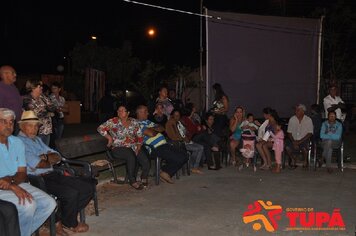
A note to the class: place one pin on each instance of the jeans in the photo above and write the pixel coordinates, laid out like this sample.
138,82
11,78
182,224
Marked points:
129,156
9,219
31,215
58,128
174,158
328,145
197,153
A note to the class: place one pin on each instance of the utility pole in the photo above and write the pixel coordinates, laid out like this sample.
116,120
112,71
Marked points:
201,50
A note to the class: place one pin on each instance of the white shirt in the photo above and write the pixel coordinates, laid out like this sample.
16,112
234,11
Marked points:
329,101
300,129
262,130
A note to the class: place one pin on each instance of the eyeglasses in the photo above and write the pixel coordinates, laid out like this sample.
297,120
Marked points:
7,122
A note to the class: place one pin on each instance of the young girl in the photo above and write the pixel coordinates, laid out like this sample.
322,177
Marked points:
278,146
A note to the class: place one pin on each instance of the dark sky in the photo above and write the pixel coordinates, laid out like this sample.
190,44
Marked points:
35,36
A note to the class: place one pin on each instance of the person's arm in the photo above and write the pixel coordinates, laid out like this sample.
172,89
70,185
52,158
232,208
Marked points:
150,132
226,104
104,129
21,193
233,124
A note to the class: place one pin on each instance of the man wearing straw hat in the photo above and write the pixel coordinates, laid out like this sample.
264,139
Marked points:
33,205
74,193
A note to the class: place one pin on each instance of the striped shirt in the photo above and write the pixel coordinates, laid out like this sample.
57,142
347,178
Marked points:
155,141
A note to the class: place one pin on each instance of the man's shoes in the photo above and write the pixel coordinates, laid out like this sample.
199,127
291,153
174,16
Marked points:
165,177
330,171
81,228
59,229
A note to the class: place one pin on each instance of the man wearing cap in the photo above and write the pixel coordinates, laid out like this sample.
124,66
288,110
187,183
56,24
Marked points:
74,193
33,205
334,103
300,130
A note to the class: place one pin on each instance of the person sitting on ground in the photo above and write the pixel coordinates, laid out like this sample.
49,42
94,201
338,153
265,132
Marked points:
158,146
125,139
332,102
266,142
176,132
158,116
9,219
236,130
300,130
330,134
33,205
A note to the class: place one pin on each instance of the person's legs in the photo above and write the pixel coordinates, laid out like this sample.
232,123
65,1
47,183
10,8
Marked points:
9,219
328,146
33,215
197,152
174,158
259,147
129,156
145,164
233,145
266,150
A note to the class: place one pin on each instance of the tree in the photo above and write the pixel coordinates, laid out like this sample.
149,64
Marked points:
339,30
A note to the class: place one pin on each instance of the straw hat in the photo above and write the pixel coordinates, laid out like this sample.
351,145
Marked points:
29,116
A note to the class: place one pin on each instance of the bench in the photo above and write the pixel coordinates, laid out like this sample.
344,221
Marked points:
74,148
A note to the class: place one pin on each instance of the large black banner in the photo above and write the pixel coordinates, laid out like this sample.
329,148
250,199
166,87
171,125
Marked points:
263,60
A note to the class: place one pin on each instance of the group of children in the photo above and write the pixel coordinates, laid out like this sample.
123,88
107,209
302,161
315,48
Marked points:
249,127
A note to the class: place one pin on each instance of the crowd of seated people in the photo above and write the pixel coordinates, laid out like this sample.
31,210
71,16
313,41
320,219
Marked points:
174,132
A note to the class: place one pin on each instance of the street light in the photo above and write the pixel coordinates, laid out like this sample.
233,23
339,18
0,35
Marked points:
93,37
151,32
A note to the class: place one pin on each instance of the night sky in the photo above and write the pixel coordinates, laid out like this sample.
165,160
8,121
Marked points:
35,36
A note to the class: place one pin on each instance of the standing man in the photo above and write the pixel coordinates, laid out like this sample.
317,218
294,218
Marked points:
9,95
300,130
332,102
33,205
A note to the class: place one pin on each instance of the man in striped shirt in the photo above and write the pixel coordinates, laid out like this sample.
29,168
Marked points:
156,142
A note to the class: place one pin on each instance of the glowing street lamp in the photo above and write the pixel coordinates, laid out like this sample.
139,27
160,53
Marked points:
93,37
151,32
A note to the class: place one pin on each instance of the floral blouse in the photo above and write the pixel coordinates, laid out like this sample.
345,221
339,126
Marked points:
122,137
60,102
43,108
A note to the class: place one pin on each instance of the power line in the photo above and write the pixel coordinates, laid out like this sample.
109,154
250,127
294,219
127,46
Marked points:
170,9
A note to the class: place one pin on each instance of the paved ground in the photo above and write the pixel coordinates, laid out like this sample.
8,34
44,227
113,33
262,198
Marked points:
213,203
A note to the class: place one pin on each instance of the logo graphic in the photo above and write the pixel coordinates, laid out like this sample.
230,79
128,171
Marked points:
254,214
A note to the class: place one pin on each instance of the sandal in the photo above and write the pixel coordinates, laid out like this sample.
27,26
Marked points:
81,228
137,185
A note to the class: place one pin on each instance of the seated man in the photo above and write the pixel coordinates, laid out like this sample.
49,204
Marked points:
153,137
33,205
73,193
330,134
300,130
9,219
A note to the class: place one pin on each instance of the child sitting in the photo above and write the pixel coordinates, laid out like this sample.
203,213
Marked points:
250,123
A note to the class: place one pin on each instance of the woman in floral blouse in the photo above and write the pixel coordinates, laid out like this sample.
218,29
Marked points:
42,106
125,138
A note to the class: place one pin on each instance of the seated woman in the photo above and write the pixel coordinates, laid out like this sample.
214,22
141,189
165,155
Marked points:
125,138
236,129
209,140
266,142
330,134
177,133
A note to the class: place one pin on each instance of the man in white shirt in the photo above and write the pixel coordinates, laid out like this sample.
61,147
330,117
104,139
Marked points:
300,130
334,103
